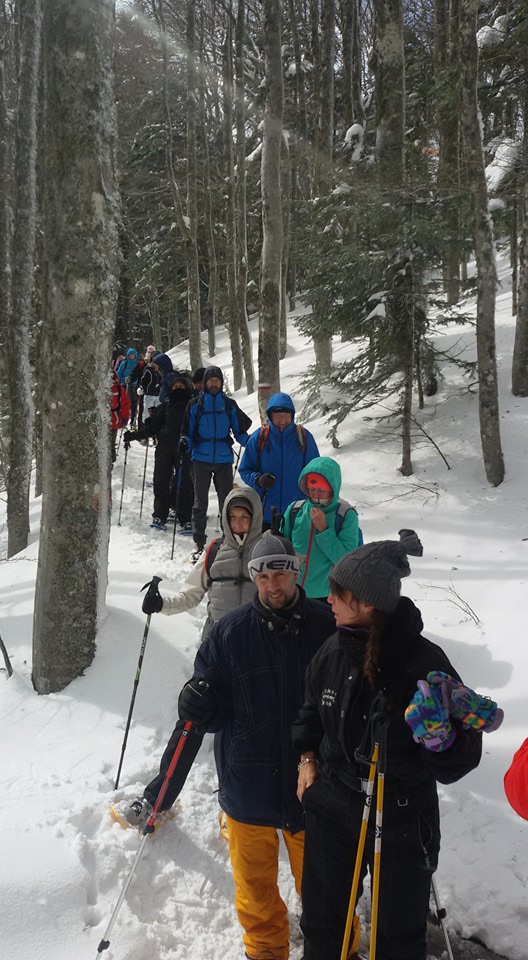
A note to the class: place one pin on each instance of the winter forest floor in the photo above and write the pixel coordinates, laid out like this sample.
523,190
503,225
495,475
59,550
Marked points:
62,861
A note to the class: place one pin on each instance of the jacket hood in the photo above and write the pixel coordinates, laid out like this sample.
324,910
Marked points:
280,400
131,352
255,530
329,469
164,362
176,377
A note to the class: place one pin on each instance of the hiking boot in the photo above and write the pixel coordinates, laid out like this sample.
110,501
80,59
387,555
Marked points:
187,527
132,813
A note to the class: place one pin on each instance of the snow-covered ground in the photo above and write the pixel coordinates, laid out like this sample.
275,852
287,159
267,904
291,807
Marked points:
63,863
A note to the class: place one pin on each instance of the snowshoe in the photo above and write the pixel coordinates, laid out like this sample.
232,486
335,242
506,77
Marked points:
195,555
157,524
133,814
186,530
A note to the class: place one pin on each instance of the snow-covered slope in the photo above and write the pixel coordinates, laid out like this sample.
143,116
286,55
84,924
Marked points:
63,863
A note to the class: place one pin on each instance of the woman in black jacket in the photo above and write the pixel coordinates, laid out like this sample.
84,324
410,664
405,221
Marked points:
377,649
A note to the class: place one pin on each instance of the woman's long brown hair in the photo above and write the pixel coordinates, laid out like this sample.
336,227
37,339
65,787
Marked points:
375,630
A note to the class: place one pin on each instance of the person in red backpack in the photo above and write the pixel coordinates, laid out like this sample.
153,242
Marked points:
275,455
119,411
516,782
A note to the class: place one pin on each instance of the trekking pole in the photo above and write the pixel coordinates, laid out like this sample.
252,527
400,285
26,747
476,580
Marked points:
119,440
237,461
177,502
441,917
149,828
381,722
144,475
359,853
154,580
378,718
127,445
7,661
276,517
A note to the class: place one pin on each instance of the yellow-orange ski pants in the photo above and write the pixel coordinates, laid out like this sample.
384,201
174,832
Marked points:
254,853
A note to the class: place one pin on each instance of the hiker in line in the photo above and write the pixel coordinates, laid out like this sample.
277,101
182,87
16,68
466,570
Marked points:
162,364
247,687
149,380
198,380
322,528
221,573
275,455
376,660
170,457
119,412
127,373
211,421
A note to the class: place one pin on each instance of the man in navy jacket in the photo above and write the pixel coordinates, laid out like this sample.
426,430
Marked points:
247,688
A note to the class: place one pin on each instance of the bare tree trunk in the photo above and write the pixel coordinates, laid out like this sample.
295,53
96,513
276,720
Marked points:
230,215
212,290
241,206
272,244
447,85
324,143
520,349
286,181
193,270
388,65
81,252
23,260
484,250
514,255
353,105
5,213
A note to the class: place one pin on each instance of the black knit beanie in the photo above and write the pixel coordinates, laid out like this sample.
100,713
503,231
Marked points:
374,572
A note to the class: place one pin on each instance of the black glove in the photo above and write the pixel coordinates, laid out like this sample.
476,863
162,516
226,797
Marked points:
266,480
197,702
184,446
152,601
128,436
411,543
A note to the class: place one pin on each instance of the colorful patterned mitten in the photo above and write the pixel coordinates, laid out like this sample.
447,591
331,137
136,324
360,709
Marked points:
473,710
428,718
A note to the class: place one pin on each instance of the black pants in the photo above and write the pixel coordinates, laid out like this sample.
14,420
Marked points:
166,468
409,855
192,744
222,477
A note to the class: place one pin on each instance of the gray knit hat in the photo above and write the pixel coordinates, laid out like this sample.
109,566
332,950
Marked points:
273,553
374,572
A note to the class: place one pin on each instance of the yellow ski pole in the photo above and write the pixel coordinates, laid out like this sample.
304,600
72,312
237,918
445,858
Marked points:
380,742
359,854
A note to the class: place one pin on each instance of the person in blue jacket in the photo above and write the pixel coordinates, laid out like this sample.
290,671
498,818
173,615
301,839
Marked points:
275,455
125,368
212,419
128,374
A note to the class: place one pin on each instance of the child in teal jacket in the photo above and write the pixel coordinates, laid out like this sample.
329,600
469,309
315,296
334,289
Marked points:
322,528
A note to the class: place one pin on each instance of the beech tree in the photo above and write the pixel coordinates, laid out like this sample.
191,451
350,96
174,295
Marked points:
475,177
81,284
272,243
23,263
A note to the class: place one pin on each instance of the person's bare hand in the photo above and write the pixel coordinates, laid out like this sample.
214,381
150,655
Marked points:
318,519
